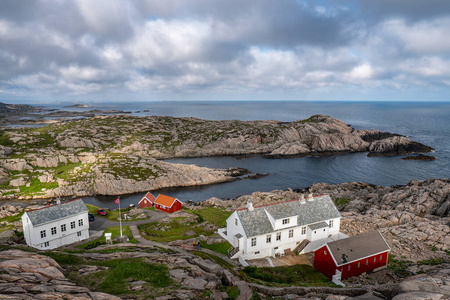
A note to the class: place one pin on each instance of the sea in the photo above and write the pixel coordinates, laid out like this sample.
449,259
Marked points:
425,122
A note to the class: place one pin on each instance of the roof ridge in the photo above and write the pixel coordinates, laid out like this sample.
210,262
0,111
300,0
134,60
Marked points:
241,209
47,206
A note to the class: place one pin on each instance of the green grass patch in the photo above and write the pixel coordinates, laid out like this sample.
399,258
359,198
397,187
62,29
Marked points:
115,280
213,215
300,275
432,261
115,230
14,218
233,292
342,201
112,215
219,247
65,258
398,266
36,187
66,171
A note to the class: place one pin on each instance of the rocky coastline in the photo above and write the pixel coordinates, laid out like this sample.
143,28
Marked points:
121,154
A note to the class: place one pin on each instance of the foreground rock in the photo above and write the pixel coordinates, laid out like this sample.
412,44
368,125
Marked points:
24,275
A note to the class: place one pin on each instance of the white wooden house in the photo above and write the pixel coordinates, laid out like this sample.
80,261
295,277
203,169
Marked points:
56,225
298,225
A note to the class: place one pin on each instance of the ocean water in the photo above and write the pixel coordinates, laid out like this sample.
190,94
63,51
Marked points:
424,122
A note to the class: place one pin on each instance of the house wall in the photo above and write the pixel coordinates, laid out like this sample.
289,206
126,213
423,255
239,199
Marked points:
325,264
279,223
33,234
145,203
233,229
263,249
365,265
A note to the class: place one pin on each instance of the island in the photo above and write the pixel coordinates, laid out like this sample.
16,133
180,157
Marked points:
122,154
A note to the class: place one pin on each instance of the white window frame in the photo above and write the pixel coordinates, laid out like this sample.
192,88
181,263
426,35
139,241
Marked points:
46,244
291,233
53,230
63,227
80,222
330,224
278,238
303,230
43,234
285,221
268,239
72,225
253,242
79,233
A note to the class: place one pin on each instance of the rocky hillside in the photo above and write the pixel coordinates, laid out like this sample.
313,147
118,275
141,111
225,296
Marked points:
414,218
118,154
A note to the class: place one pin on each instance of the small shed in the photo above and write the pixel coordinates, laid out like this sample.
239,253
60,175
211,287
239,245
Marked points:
147,201
352,256
167,203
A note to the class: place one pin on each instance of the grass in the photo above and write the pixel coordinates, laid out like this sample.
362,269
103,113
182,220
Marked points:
36,187
341,201
432,261
219,247
398,266
300,275
213,215
115,230
115,280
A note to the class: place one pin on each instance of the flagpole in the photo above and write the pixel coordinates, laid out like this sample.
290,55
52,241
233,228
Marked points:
120,218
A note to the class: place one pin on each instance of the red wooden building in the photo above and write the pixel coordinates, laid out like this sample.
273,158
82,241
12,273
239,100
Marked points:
352,256
167,204
147,201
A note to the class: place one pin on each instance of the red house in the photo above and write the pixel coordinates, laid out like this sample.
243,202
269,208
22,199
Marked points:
167,204
352,256
147,201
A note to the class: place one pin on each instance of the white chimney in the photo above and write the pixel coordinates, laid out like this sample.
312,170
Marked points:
310,197
302,199
250,206
58,201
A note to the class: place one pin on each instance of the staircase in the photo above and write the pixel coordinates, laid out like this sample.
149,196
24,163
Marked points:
301,246
231,253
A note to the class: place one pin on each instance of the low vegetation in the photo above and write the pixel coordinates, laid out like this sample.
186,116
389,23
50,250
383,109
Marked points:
299,275
115,232
112,215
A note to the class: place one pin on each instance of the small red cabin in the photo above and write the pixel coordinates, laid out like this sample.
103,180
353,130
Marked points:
352,256
147,201
167,204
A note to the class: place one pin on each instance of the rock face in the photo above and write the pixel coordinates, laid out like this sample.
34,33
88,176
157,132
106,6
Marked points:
25,275
118,154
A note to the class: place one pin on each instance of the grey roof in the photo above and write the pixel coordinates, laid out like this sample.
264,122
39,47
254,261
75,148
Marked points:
256,222
238,235
358,246
56,212
281,211
318,225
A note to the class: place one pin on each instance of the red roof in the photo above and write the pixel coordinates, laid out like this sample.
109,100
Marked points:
165,200
149,196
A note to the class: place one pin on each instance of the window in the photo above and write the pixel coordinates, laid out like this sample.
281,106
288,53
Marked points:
253,242
291,233
80,222
330,224
53,230
324,229
278,236
285,221
72,225
303,230
257,252
63,227
367,262
268,238
381,256
325,252
235,222
79,233
43,234
358,264
348,267
315,232
375,259
46,244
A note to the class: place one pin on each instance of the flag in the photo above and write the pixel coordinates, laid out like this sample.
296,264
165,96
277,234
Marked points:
117,200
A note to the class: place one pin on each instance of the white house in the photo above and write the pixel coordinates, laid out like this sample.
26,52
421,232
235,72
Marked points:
270,230
56,225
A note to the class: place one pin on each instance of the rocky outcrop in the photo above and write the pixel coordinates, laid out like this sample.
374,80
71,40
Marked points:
419,157
90,156
25,275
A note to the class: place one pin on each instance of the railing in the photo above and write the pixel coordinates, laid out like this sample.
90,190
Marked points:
233,252
301,246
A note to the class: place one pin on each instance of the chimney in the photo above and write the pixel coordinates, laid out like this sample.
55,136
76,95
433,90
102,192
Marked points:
310,197
58,201
302,199
250,206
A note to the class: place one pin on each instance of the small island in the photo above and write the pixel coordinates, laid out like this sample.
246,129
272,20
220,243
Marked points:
79,106
420,157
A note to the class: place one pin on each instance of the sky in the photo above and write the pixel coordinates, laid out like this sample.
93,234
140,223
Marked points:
114,50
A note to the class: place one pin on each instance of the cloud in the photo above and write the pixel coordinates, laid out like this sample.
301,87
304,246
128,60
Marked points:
187,50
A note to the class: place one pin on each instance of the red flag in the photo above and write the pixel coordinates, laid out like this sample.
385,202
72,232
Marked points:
117,200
